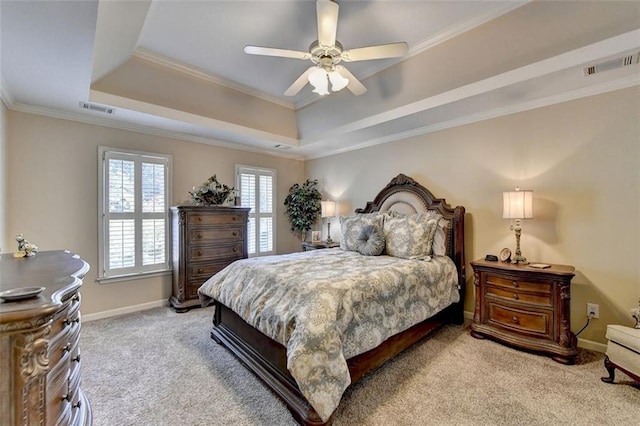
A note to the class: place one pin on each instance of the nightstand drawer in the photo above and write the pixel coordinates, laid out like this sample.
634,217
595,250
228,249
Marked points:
516,283
517,295
524,321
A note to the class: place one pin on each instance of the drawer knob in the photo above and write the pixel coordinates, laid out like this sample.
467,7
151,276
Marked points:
515,320
76,358
67,397
235,249
199,235
199,253
515,296
77,404
515,283
200,270
234,218
66,347
234,233
199,218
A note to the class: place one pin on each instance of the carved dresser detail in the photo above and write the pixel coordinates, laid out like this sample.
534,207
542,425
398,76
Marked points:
39,353
205,240
525,307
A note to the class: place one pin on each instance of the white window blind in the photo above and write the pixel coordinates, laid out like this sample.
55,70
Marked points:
257,186
134,214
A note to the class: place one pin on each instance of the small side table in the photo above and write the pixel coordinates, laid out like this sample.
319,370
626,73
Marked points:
308,246
525,307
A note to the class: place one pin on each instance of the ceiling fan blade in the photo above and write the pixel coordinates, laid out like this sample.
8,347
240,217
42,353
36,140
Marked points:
327,14
354,85
299,83
381,51
270,51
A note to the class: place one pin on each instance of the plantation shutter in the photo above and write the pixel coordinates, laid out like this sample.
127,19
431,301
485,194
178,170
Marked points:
257,192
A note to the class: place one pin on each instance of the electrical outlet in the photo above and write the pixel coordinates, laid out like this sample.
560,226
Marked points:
593,310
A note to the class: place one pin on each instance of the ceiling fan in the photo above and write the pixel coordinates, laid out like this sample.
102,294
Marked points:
326,53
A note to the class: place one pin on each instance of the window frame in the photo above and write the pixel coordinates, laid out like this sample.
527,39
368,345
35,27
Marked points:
104,273
257,171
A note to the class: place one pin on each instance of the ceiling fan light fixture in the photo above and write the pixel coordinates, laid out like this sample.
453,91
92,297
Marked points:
318,79
338,82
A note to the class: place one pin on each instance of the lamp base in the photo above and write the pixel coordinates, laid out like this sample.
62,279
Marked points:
329,240
519,260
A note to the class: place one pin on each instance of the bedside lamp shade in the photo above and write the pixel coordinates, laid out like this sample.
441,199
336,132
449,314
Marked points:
328,210
517,205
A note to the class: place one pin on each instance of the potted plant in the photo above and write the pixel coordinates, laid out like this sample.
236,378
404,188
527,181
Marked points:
303,206
211,193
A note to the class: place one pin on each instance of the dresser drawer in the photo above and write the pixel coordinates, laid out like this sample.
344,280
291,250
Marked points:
58,396
202,218
515,294
196,271
201,234
219,252
530,322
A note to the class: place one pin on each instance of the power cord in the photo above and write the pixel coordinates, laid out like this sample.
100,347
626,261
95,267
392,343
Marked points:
585,326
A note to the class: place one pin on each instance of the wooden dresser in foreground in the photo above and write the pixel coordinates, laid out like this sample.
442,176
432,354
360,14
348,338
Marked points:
205,240
39,353
525,307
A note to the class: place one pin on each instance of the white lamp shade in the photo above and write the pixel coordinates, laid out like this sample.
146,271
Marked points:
338,82
319,81
328,208
517,205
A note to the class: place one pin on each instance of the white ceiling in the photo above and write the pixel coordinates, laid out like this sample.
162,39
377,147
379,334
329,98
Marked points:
52,52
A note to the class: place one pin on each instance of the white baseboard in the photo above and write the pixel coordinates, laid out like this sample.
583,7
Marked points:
591,345
125,310
582,343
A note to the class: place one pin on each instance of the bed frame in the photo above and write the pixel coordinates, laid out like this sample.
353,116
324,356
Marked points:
267,358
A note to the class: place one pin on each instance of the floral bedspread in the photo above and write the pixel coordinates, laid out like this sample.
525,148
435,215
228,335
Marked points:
326,306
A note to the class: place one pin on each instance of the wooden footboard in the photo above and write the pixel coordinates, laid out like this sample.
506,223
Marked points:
268,359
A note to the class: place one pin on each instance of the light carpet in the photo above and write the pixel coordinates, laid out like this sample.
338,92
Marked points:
157,367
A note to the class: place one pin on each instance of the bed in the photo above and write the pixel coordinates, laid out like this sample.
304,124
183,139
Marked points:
275,350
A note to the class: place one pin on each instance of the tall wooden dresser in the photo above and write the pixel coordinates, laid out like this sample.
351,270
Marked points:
39,353
205,240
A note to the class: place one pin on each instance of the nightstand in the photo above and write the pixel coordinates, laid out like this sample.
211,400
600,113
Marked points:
525,307
308,246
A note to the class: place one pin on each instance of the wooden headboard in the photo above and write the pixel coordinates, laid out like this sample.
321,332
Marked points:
405,195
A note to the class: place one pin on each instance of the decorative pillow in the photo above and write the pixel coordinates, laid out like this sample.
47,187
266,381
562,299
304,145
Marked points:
351,226
440,240
371,241
410,236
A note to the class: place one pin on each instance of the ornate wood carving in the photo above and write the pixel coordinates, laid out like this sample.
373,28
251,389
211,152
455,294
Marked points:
32,350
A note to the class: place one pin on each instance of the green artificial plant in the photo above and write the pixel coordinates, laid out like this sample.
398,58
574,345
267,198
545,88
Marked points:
303,206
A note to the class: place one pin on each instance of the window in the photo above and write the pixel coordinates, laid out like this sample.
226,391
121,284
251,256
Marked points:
257,188
134,213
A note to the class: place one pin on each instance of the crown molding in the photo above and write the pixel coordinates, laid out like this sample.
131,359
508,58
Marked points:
89,118
5,95
597,89
181,68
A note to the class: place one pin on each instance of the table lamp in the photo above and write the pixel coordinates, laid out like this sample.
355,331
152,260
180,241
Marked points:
517,205
328,211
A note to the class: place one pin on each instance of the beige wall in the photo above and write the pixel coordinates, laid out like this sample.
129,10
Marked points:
52,194
581,159
3,175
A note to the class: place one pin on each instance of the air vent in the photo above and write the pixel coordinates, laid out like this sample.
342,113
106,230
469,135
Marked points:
612,64
98,108
281,146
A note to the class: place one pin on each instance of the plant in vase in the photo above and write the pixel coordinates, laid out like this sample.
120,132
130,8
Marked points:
212,193
303,206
